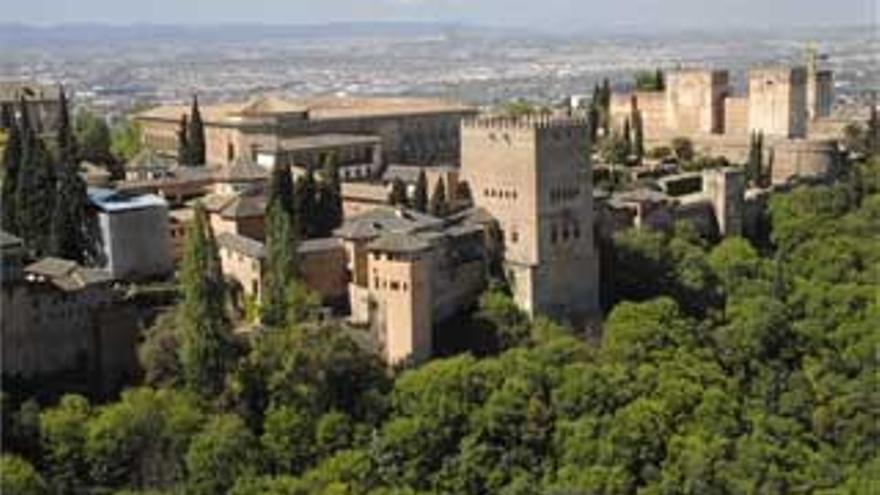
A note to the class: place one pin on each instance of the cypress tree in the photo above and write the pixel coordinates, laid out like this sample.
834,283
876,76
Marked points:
606,106
420,196
12,156
439,206
659,80
330,198
873,134
73,231
638,136
183,141
305,206
35,190
627,138
7,116
196,135
206,348
281,250
397,196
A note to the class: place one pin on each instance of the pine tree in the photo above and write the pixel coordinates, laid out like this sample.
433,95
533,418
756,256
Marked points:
183,153
73,231
306,206
35,190
420,195
397,196
281,250
196,137
330,198
206,347
439,205
12,156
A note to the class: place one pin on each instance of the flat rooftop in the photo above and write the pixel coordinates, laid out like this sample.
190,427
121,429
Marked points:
318,108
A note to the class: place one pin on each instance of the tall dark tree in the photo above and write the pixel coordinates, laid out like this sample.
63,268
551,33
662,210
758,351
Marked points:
7,116
439,205
329,198
183,153
281,249
606,106
627,137
206,348
306,206
638,136
755,165
12,156
196,135
397,196
35,190
72,229
873,132
420,195
660,80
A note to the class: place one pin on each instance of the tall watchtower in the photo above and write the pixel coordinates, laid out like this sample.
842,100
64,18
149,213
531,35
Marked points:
535,177
778,101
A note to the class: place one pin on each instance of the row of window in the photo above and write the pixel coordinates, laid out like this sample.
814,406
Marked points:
392,285
500,193
565,233
563,193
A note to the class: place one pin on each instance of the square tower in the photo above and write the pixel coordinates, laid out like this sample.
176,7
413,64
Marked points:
401,298
778,101
695,101
534,177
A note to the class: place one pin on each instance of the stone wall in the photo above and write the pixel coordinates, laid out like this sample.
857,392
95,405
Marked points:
136,243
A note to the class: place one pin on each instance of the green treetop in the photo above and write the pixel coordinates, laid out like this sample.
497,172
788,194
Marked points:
281,247
12,155
329,198
420,196
439,205
196,135
397,196
206,346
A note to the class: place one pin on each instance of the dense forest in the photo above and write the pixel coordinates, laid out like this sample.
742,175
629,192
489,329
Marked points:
740,367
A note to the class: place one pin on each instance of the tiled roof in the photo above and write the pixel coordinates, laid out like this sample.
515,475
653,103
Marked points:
384,219
400,243
318,245
319,141
245,206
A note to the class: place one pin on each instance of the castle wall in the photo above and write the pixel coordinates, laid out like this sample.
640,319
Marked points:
808,159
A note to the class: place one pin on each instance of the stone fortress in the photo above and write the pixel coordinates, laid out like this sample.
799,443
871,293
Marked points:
788,105
526,182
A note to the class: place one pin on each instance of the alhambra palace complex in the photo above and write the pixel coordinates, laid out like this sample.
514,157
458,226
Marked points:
398,272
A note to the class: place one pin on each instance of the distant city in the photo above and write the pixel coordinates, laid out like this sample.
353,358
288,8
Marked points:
116,68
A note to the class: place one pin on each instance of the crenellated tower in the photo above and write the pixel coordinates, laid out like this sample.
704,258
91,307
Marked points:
535,177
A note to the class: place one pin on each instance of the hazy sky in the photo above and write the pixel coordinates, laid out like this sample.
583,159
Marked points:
562,14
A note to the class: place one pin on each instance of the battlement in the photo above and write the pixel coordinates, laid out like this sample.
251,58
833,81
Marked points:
536,122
